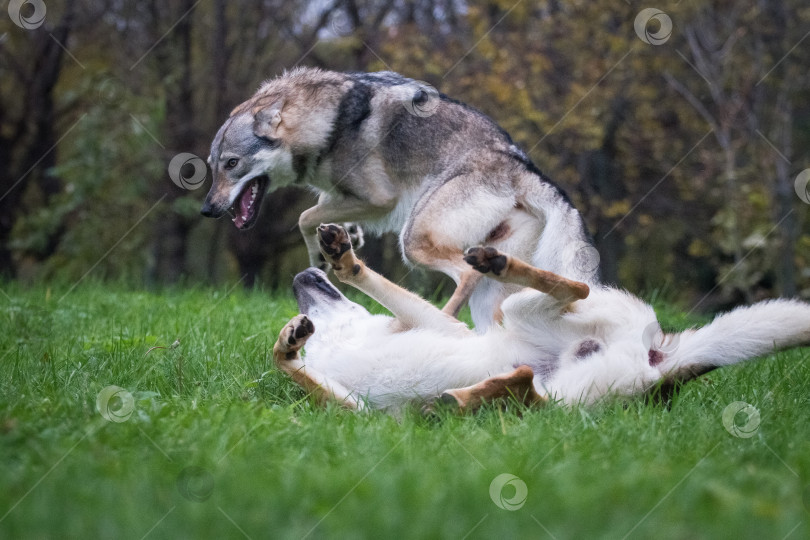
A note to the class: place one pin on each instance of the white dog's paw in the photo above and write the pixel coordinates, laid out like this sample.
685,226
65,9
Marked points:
336,247
486,259
295,334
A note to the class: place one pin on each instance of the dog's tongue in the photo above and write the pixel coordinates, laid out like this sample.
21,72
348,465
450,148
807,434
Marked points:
245,205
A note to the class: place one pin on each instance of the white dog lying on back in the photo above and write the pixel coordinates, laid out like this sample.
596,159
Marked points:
558,341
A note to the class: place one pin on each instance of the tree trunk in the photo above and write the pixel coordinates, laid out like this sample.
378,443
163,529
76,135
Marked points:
173,57
784,198
9,206
32,140
220,56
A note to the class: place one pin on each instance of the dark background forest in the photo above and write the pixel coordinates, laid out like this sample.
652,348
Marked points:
683,139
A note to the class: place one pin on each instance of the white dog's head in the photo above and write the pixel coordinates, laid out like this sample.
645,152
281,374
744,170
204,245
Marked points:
343,329
321,301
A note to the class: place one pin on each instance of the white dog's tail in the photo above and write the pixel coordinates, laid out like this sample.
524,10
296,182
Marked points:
733,337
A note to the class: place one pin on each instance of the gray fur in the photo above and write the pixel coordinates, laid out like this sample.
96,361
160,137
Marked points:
396,156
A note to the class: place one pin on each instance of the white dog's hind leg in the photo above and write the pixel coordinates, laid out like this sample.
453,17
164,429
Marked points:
286,354
516,385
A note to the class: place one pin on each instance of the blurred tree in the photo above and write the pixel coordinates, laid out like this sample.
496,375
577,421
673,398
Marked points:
737,50
31,62
170,25
782,85
622,125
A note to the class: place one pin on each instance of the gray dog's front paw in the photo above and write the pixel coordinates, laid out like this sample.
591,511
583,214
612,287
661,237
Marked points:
321,263
356,234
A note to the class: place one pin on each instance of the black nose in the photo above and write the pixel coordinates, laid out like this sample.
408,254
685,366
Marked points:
315,279
310,276
207,210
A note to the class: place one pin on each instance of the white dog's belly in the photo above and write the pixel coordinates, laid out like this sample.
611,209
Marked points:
390,370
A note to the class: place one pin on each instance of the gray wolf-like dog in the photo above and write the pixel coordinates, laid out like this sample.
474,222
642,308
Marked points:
396,156
559,340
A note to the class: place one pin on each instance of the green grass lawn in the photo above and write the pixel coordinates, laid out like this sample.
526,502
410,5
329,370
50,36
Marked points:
218,444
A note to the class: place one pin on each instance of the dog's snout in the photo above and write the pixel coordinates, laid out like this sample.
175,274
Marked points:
212,210
207,210
310,276
313,279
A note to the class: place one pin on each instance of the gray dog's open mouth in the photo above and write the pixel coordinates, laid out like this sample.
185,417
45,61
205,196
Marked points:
247,204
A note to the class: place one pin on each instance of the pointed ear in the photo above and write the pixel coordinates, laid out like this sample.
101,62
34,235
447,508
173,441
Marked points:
266,121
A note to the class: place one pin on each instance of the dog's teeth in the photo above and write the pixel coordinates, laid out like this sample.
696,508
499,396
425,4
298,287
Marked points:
254,189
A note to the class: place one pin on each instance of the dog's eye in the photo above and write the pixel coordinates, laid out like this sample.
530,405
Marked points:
231,163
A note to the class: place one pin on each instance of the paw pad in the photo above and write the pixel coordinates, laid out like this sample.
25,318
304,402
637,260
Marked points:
300,328
304,328
334,240
486,260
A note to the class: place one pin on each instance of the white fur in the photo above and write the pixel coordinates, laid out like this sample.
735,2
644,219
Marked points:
394,220
747,331
388,369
